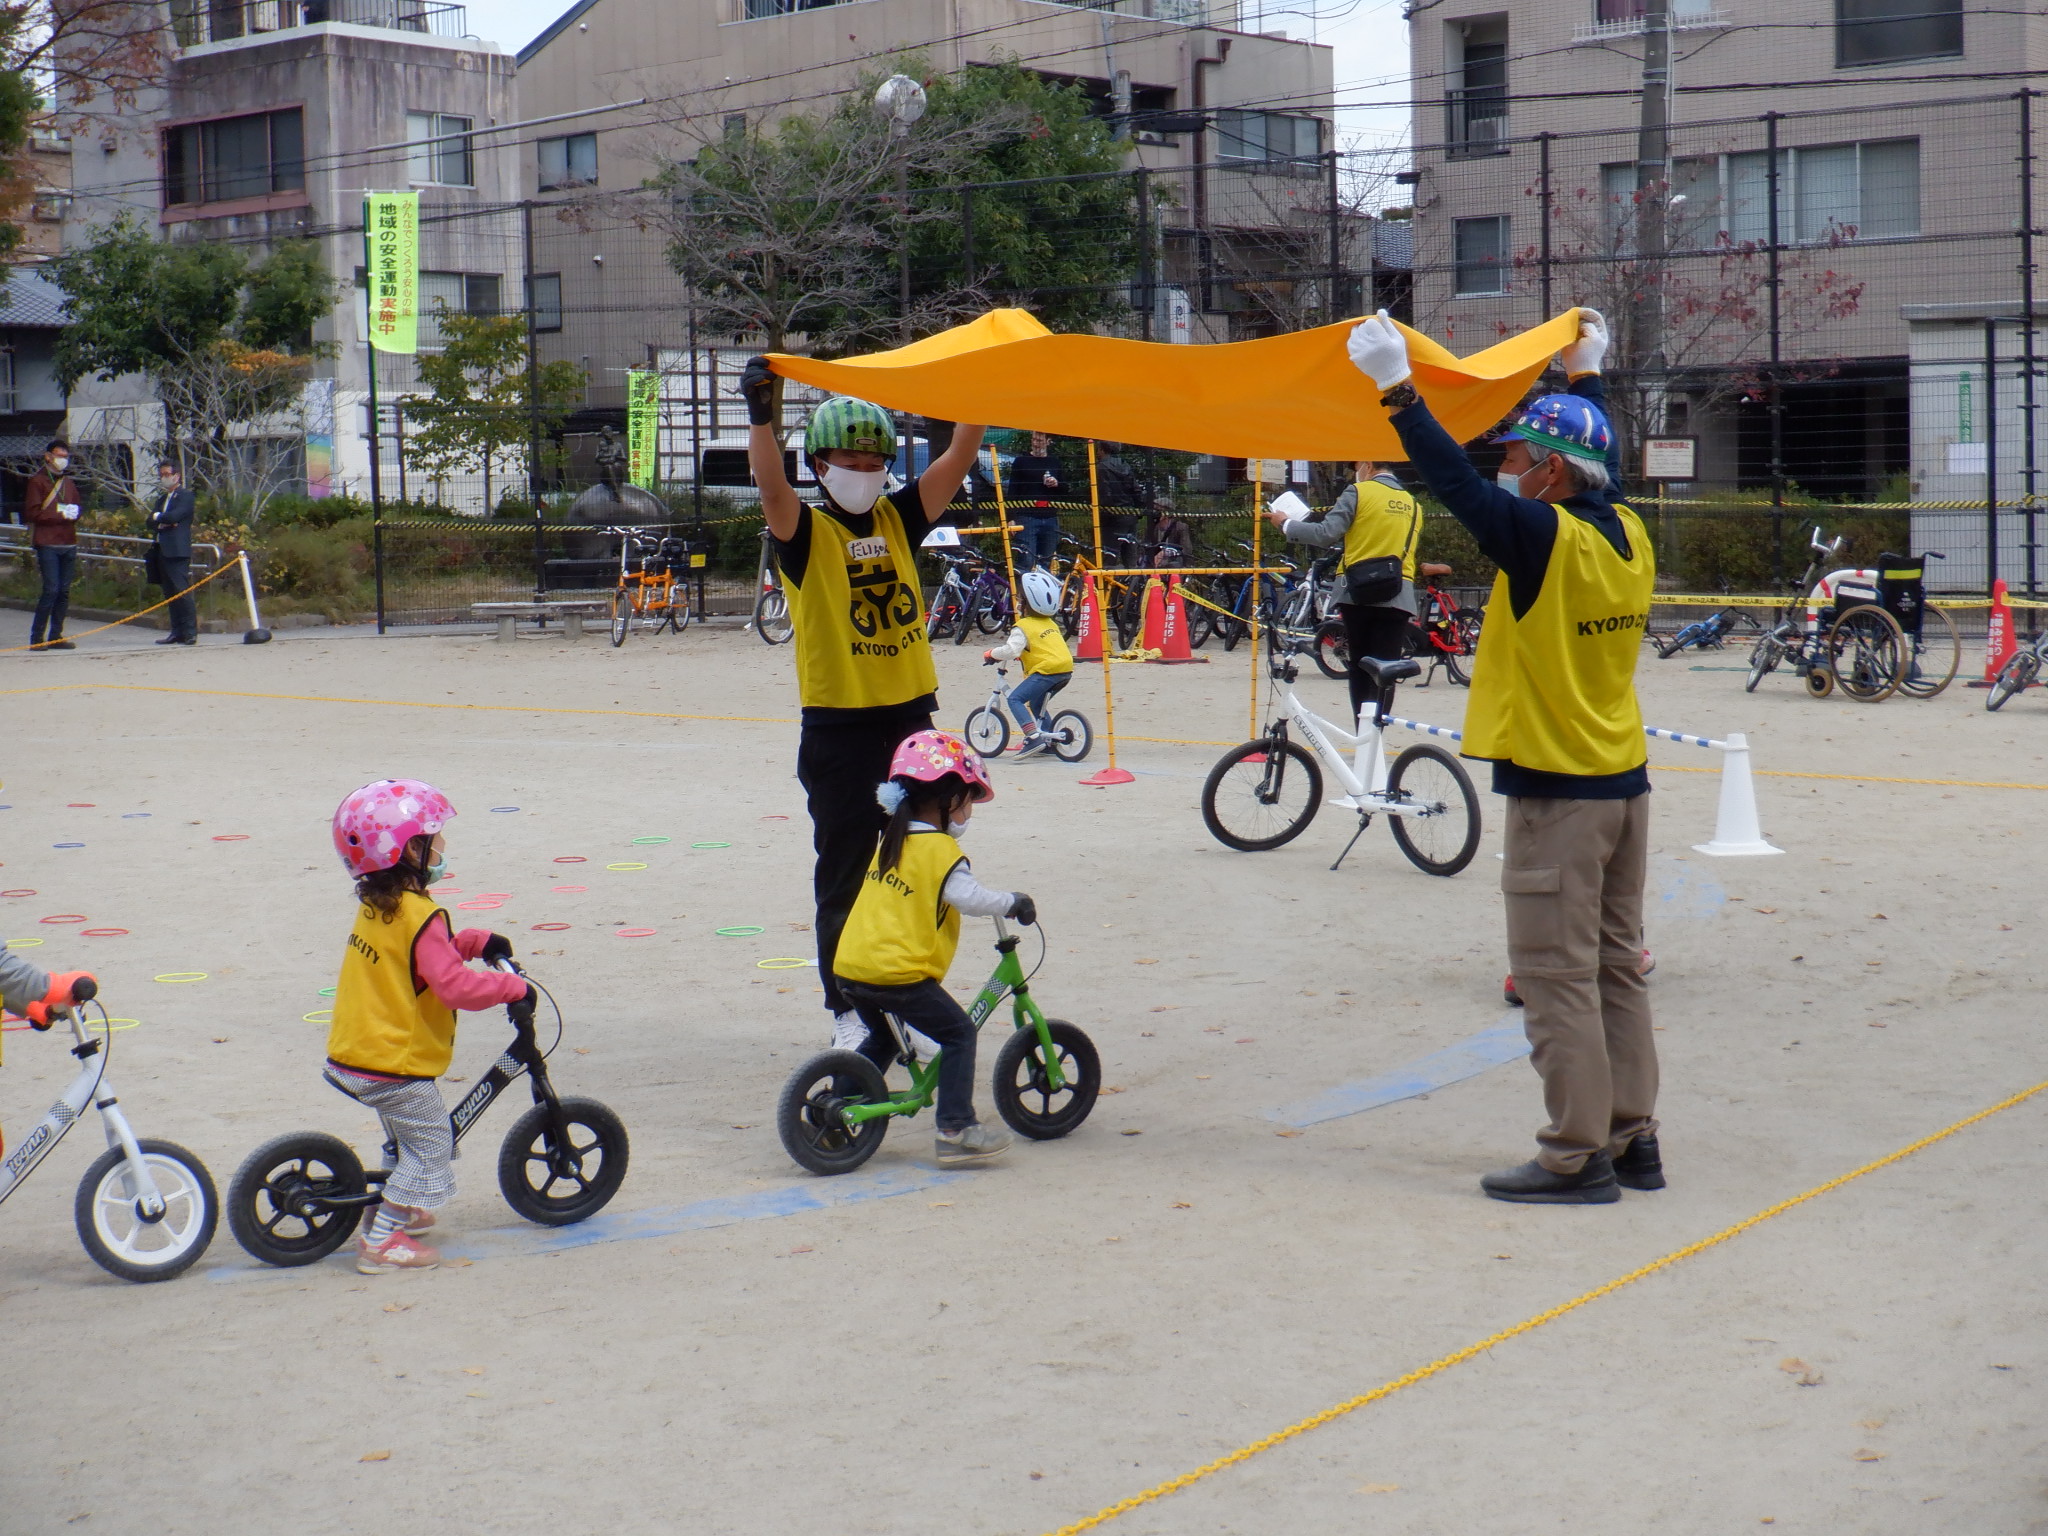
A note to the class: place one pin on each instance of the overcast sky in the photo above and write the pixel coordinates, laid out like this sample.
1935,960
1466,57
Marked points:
1369,37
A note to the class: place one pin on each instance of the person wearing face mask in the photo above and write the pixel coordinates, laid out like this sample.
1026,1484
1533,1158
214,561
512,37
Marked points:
1554,709
50,507
863,662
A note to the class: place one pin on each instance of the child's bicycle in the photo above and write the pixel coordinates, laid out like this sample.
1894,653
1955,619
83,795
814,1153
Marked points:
1708,634
2021,668
835,1108
299,1197
988,727
146,1209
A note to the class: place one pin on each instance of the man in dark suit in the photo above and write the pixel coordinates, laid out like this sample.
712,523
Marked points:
170,522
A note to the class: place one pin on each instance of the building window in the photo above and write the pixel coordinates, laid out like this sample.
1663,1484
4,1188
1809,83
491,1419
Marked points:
472,293
1894,31
546,296
1267,137
1610,11
569,162
1481,255
1476,106
234,157
440,155
1828,192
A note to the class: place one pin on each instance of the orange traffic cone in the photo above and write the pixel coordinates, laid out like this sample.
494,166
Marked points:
1088,635
1172,642
1155,615
1998,639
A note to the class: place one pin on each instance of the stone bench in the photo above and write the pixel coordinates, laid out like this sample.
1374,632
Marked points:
571,611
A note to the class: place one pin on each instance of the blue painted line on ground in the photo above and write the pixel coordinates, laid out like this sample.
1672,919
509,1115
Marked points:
821,1194
1453,1064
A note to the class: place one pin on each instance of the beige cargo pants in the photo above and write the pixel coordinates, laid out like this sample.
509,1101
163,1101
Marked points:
1573,885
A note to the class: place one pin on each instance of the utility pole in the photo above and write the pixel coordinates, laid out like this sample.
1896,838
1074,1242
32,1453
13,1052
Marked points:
1653,197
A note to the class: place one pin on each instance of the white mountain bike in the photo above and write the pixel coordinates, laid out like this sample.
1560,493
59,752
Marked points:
146,1209
1266,792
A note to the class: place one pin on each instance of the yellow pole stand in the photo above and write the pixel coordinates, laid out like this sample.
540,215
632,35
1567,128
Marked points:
1112,774
995,465
1258,581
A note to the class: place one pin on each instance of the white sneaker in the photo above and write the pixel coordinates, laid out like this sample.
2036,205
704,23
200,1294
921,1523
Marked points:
975,1144
848,1032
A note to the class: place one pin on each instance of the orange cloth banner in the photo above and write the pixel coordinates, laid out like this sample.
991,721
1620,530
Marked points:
1280,397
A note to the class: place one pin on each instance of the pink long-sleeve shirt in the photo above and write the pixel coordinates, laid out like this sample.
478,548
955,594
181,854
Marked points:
440,965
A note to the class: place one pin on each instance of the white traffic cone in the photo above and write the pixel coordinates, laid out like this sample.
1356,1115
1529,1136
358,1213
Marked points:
1736,831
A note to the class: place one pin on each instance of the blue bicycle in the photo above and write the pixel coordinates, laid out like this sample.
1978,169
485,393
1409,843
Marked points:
1708,634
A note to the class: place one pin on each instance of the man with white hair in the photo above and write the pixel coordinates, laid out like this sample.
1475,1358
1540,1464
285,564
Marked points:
1554,709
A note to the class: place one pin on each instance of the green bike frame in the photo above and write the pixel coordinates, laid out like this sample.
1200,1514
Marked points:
1007,978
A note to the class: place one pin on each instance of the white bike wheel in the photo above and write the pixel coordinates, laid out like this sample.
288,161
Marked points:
988,732
121,1239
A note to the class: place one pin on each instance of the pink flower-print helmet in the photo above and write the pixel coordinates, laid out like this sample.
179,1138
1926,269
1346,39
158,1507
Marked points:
928,756
373,825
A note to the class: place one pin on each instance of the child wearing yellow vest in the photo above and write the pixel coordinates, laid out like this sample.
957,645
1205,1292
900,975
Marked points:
899,940
403,976
1048,663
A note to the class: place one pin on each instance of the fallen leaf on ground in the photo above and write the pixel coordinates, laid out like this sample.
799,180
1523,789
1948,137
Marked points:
1870,1423
472,1394
1869,1455
1380,1488
1287,1133
1996,1367
220,1039
374,1456
747,1127
1766,911
580,1050
472,1370
1249,1040
1165,1008
1804,1374
939,1205
1203,1077
1146,1033
1109,1090
1112,1239
1130,1133
461,1263
1503,1255
1879,917
1036,1476
1182,1205
1144,962
397,1306
805,1249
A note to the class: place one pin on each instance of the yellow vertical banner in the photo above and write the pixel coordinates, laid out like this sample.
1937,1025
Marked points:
391,251
643,403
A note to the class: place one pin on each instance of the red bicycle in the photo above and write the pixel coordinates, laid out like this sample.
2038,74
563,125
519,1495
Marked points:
1440,633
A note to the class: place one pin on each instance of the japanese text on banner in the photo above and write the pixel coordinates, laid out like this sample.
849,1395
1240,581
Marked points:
643,400
391,238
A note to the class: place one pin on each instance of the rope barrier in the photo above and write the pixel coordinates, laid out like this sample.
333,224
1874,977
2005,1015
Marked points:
1528,1325
219,570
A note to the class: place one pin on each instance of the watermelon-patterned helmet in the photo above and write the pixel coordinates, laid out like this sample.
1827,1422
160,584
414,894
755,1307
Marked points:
850,424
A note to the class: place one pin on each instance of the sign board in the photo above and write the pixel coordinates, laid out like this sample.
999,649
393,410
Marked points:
1297,471
391,252
1266,471
1180,316
944,536
1967,458
1670,458
643,408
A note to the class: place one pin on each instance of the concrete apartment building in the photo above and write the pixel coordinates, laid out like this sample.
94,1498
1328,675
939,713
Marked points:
1200,90
1899,164
275,116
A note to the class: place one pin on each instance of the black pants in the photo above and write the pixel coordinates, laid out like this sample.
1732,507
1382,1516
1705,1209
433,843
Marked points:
839,764
931,1010
55,563
175,575
1381,633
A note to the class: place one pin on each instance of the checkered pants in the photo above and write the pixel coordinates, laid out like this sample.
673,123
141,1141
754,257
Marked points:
416,1119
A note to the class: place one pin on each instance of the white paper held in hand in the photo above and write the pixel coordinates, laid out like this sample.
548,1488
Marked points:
1291,506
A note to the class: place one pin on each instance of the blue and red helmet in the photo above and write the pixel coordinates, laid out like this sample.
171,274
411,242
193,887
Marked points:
1566,423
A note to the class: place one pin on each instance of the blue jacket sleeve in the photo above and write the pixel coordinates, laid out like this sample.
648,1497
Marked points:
1514,532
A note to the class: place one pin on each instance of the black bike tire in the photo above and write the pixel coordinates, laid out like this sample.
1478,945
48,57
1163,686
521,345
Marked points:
1399,824
622,618
1333,649
771,614
86,1204
254,1178
862,1140
970,613
2012,679
515,1157
1763,661
1086,1082
1293,752
992,617
1002,730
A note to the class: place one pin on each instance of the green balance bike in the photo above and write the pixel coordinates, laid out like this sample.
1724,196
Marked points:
836,1107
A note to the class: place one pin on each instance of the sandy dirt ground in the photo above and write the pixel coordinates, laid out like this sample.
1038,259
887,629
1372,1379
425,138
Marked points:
736,1347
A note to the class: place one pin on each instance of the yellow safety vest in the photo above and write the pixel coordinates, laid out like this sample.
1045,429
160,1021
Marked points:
859,616
1555,689
1387,522
1045,648
901,931
384,1020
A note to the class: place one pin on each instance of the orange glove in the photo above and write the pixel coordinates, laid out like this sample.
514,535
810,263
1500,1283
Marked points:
58,999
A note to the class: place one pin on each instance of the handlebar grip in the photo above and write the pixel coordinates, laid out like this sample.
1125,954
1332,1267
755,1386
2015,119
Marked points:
84,990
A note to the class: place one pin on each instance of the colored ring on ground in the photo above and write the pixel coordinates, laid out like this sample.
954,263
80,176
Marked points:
93,1027
494,896
636,933
503,810
67,845
318,1016
178,978
327,991
775,818
65,917
103,933
23,943
80,805
136,815
478,906
650,842
571,890
17,893
231,837
625,866
572,858
550,927
739,931
711,845
789,963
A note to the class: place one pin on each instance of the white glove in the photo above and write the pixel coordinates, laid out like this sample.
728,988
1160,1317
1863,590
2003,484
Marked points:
1585,354
1379,350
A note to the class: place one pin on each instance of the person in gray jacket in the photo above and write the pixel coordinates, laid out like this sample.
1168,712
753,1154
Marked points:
31,991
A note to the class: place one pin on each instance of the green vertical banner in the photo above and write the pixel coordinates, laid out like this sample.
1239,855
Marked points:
391,240
643,401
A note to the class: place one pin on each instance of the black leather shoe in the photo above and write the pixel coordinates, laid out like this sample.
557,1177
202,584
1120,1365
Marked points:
189,640
170,640
1534,1184
1640,1166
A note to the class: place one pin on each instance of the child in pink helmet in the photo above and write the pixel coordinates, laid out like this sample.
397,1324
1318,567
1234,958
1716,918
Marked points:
899,939
403,976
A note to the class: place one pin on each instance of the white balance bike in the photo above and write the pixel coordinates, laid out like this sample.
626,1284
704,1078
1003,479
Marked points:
1266,792
145,1209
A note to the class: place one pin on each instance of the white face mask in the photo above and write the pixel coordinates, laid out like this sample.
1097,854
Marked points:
1512,484
956,830
855,490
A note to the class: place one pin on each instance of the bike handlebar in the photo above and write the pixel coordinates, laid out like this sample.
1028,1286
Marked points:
84,990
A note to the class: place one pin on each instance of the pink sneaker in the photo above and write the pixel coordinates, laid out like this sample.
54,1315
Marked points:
418,1218
1649,964
396,1252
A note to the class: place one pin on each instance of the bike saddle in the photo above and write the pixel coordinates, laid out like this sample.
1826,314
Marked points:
1384,674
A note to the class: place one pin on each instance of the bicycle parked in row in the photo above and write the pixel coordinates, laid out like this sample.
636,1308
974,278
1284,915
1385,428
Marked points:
771,619
1439,634
973,594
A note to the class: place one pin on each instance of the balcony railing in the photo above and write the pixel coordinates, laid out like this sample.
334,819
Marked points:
220,21
1684,18
1476,120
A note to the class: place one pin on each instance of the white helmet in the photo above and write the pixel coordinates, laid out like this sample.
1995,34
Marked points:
1041,592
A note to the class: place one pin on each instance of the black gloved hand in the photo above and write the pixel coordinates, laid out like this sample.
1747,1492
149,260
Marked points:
1024,909
757,387
497,947
522,1011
